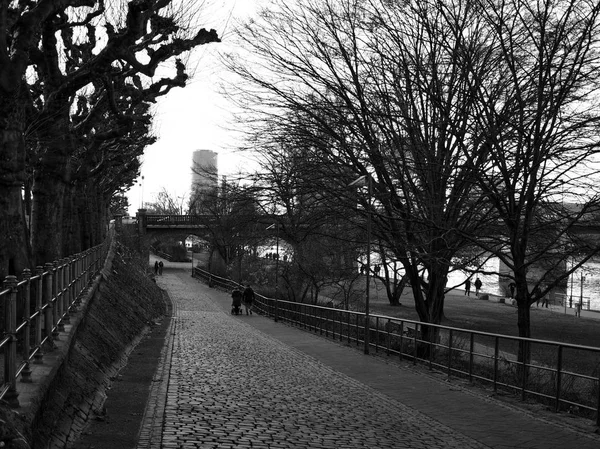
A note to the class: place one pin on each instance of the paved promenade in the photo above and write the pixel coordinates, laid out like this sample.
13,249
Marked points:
246,382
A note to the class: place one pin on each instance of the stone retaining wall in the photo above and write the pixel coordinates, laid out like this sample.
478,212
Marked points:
121,305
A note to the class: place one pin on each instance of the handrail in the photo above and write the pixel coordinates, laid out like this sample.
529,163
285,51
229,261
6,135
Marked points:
43,303
176,220
553,373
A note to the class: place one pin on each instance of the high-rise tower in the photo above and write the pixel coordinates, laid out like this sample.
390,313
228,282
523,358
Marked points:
205,178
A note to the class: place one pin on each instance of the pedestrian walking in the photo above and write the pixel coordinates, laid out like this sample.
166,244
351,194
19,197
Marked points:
236,301
156,267
512,287
248,298
545,301
535,293
468,287
478,285
160,267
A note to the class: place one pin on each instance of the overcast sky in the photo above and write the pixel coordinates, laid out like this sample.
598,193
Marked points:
193,118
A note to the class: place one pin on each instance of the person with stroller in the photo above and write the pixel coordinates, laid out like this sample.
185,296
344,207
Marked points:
248,297
236,304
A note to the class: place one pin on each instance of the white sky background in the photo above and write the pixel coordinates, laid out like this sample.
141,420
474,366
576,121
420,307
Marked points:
196,117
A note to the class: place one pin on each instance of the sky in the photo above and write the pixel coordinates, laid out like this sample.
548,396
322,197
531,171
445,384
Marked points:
196,117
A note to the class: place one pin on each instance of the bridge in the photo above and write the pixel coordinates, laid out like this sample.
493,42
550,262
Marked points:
194,223
155,226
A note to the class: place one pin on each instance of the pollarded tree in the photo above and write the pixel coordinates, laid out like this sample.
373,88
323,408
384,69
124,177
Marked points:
141,36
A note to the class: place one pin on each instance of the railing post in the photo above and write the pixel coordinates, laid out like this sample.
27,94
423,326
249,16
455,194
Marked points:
75,296
388,337
471,350
449,352
10,355
376,334
58,300
598,405
49,313
558,378
77,274
415,344
524,367
66,290
401,339
26,372
496,356
38,358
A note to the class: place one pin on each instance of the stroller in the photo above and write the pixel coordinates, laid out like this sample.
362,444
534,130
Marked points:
236,305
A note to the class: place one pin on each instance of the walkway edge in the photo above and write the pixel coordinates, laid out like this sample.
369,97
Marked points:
150,435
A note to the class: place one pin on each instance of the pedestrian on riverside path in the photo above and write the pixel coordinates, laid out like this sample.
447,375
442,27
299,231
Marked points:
468,287
536,293
478,285
160,267
156,267
511,287
248,298
236,301
545,301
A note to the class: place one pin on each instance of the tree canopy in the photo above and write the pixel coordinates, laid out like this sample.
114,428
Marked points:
77,82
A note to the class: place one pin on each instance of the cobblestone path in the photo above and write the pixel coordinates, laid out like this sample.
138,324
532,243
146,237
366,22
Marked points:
232,386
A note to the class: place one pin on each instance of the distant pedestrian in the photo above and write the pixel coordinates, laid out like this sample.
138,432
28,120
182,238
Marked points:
478,285
160,267
236,301
536,294
544,300
156,267
512,287
468,287
248,298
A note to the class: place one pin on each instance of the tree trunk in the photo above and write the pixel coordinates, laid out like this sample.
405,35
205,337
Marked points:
15,252
523,317
47,217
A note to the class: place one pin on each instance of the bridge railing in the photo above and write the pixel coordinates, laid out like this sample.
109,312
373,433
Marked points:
554,374
175,220
36,309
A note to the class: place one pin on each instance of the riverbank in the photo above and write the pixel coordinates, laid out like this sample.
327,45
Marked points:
468,312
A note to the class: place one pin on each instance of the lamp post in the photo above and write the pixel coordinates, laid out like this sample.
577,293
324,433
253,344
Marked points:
361,182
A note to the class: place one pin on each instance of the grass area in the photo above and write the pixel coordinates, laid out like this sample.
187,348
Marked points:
486,316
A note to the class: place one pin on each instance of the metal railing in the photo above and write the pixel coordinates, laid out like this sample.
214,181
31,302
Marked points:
176,220
36,310
563,375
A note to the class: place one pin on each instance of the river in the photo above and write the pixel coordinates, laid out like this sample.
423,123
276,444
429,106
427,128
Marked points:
583,284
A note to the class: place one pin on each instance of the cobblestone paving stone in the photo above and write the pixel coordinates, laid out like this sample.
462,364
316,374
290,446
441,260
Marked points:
231,386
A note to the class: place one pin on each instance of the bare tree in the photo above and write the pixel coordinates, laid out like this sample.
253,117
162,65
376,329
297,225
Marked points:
537,123
57,40
166,203
381,80
229,218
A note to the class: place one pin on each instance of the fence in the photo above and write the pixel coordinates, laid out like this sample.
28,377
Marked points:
563,375
37,308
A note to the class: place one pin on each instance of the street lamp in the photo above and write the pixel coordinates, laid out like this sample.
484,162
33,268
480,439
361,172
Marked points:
361,181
